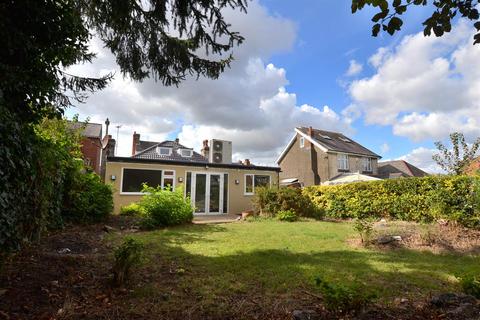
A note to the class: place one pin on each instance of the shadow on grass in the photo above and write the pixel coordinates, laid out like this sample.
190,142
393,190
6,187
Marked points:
213,270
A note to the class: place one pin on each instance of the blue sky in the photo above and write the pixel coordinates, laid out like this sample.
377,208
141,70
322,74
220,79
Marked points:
402,93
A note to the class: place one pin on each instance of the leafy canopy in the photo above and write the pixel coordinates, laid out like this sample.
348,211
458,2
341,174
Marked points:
444,11
166,40
456,159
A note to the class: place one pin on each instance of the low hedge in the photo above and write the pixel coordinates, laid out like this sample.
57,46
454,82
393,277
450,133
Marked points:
425,199
267,202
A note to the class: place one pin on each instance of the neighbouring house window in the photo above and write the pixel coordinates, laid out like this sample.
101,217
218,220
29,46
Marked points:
225,193
367,164
253,181
164,151
186,153
87,162
302,142
342,160
133,179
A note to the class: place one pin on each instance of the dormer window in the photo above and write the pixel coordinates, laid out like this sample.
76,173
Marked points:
324,136
163,151
186,153
345,139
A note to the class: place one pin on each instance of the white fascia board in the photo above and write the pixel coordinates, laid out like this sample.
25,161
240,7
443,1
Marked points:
313,141
284,152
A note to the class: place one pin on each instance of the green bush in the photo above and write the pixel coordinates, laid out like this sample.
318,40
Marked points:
364,227
425,199
133,209
471,285
127,256
287,215
164,207
341,298
269,201
88,199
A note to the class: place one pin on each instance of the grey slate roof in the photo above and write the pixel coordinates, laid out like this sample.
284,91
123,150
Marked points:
142,145
152,154
338,142
92,130
398,168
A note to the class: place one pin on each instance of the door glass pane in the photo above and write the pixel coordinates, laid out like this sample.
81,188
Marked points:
215,193
200,188
225,193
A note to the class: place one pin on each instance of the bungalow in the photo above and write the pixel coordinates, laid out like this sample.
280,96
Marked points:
214,184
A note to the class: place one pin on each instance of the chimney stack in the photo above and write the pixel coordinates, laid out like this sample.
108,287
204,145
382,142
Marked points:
310,131
135,142
247,162
206,149
177,140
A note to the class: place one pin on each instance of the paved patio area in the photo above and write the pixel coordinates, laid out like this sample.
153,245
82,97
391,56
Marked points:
224,218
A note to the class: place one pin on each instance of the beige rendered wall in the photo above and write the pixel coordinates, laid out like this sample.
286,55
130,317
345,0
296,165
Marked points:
297,163
237,201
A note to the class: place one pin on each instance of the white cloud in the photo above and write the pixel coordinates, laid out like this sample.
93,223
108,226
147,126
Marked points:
354,68
422,158
425,87
385,147
248,104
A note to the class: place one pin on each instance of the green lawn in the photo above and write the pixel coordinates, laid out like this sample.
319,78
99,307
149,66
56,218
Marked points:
273,258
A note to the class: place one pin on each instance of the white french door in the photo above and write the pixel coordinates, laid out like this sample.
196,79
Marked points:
207,192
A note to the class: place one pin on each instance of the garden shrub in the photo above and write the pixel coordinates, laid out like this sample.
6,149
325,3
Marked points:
88,199
127,256
471,285
164,207
133,209
269,201
287,215
341,298
43,175
424,199
364,227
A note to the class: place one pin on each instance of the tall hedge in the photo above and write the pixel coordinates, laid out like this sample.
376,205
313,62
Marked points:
43,182
426,199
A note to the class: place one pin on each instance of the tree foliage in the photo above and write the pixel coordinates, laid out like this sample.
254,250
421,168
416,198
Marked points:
455,160
388,18
167,40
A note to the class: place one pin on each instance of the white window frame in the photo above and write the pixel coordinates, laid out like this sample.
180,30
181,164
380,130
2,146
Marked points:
342,159
142,193
188,150
302,142
164,148
253,182
367,164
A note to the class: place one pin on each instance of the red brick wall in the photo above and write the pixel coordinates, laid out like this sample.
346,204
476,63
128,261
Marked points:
91,153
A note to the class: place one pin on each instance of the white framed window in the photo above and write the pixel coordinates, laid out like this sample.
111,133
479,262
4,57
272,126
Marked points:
367,164
342,161
302,142
164,151
186,153
133,179
253,181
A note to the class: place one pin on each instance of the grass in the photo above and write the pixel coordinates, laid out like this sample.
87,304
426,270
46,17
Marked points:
272,258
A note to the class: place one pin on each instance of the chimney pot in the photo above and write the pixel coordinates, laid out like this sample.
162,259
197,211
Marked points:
310,131
206,149
247,162
107,123
177,140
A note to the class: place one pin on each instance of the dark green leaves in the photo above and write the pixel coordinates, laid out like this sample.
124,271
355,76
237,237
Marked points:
440,22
